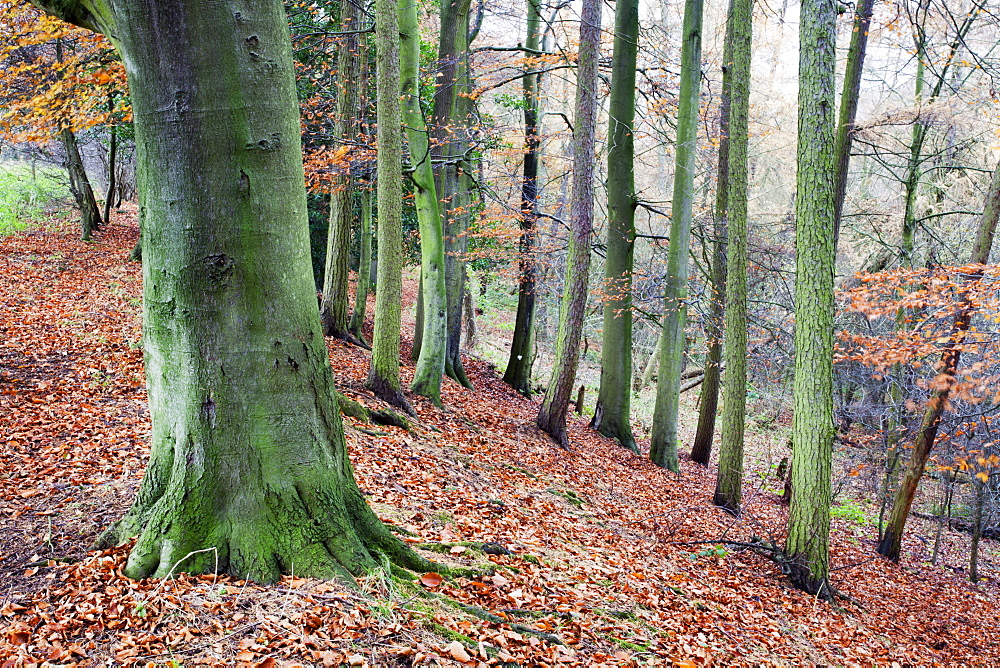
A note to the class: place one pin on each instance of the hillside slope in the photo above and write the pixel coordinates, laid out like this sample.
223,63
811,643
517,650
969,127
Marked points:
604,559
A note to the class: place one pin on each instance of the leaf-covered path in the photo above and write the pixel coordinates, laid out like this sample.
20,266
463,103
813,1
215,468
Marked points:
598,560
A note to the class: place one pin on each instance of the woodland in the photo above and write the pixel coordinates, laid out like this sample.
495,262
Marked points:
489,333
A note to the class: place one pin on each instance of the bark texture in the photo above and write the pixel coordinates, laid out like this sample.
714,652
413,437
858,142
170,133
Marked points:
79,185
555,404
729,481
812,428
248,470
612,415
663,440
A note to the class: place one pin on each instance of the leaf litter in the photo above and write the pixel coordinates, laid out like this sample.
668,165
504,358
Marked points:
577,556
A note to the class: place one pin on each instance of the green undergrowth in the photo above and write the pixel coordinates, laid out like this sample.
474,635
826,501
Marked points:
25,194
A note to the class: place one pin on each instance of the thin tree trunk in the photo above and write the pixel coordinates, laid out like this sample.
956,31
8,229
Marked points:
813,429
573,307
977,529
112,159
729,481
383,377
363,285
701,451
79,185
336,289
849,107
890,544
430,364
518,372
612,414
663,441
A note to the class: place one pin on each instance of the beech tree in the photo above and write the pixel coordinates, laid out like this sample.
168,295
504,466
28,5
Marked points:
248,468
552,414
812,427
612,415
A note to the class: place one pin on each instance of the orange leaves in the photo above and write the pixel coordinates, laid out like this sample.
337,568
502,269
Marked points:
431,580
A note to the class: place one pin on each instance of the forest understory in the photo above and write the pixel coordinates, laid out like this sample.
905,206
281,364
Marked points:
599,556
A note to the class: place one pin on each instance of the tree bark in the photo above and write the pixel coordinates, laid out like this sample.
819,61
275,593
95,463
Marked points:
892,537
248,470
663,440
430,364
518,372
729,480
79,185
813,428
383,377
363,285
573,307
109,197
612,415
336,289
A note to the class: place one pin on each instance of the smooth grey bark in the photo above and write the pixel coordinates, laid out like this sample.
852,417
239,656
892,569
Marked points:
518,371
79,185
663,440
612,415
555,404
248,469
729,479
363,285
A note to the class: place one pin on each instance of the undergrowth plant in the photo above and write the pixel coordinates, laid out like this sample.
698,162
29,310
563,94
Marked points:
25,194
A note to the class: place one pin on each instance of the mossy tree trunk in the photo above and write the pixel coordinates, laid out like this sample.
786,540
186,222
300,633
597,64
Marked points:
450,131
612,415
430,364
363,286
663,440
729,480
555,404
812,428
383,376
336,290
518,372
248,469
890,544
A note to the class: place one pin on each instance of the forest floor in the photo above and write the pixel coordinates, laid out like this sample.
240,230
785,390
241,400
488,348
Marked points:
613,560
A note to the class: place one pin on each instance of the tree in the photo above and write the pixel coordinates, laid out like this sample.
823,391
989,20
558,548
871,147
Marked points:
248,469
383,376
430,364
812,428
518,372
892,537
729,481
663,441
333,309
612,415
552,414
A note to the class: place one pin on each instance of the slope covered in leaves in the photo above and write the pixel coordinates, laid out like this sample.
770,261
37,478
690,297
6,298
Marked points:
599,557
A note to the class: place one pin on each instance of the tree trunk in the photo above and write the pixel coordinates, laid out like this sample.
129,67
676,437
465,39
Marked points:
663,441
363,286
109,197
729,481
813,429
248,468
79,185
892,537
383,377
849,107
450,120
336,290
518,372
612,415
430,364
701,451
555,404
977,528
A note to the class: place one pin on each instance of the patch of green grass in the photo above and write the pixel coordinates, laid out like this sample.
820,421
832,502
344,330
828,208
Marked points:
24,194
852,512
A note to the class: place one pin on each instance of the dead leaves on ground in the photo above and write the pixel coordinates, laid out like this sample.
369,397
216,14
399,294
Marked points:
593,532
